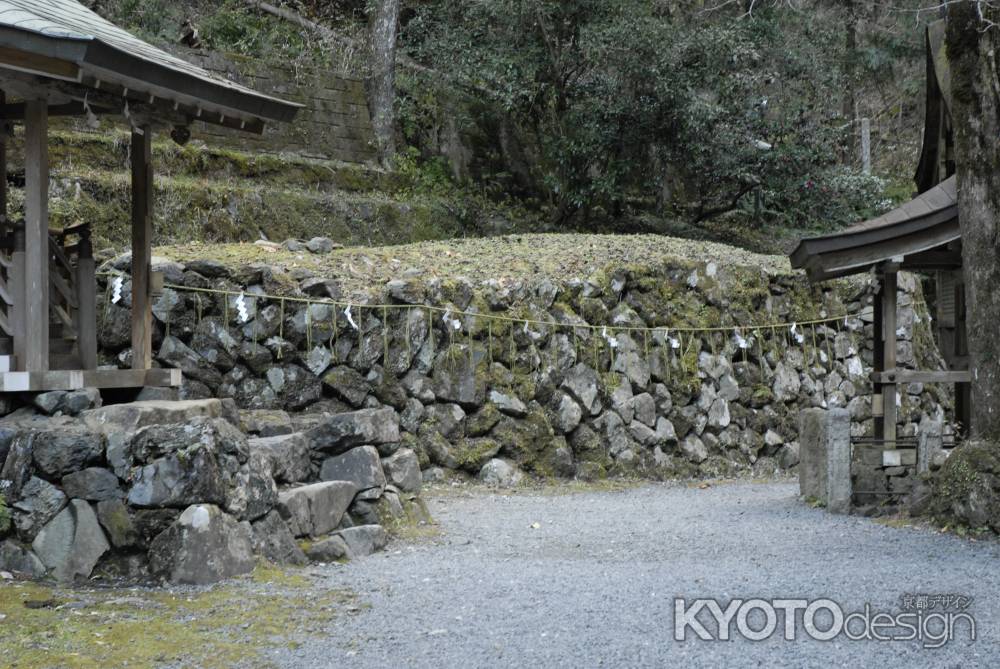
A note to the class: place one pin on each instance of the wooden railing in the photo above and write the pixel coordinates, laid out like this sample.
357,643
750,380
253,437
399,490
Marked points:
72,299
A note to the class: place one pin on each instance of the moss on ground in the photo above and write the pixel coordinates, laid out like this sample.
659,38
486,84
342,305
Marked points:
526,258
230,624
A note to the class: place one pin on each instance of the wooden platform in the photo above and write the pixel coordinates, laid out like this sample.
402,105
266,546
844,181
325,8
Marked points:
11,382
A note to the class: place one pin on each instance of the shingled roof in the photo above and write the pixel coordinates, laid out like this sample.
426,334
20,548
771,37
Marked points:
926,222
64,32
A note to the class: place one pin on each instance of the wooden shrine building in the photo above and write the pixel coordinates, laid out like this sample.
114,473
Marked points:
58,58
922,235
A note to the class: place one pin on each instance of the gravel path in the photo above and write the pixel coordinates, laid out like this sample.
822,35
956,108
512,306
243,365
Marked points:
594,584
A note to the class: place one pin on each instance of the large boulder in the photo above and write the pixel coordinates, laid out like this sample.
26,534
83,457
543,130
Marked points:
581,382
18,559
343,432
460,377
315,509
296,387
253,491
786,383
347,384
331,549
179,479
361,466
289,455
178,355
130,417
117,522
204,545
61,451
71,543
39,502
187,464
93,484
567,414
273,540
364,539
402,469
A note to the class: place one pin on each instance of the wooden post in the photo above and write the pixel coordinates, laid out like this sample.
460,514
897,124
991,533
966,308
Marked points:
878,362
86,297
889,390
142,236
4,230
36,237
16,311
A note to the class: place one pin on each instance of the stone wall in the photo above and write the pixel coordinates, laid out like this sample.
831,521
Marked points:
507,377
334,124
193,492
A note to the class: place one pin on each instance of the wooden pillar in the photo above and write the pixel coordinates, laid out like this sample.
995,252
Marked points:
86,297
889,390
142,235
36,237
878,361
4,229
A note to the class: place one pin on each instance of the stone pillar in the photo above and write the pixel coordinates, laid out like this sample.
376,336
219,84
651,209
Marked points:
825,457
929,442
838,460
812,454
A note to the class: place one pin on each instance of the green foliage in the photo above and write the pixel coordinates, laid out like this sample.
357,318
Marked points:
629,106
237,28
230,25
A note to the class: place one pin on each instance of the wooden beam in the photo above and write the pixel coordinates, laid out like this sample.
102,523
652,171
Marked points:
36,237
23,61
142,236
878,363
3,163
901,376
19,382
889,395
15,111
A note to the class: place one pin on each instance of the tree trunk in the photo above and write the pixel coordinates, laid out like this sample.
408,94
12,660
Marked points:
976,94
850,103
382,87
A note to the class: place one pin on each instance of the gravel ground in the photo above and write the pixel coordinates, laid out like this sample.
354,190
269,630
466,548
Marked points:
593,584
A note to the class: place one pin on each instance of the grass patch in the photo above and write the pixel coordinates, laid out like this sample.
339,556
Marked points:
229,624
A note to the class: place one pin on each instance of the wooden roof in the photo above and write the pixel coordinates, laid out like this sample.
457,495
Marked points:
917,228
63,41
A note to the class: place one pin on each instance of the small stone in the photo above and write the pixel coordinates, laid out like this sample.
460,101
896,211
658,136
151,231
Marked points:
320,245
694,449
508,404
49,402
500,474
